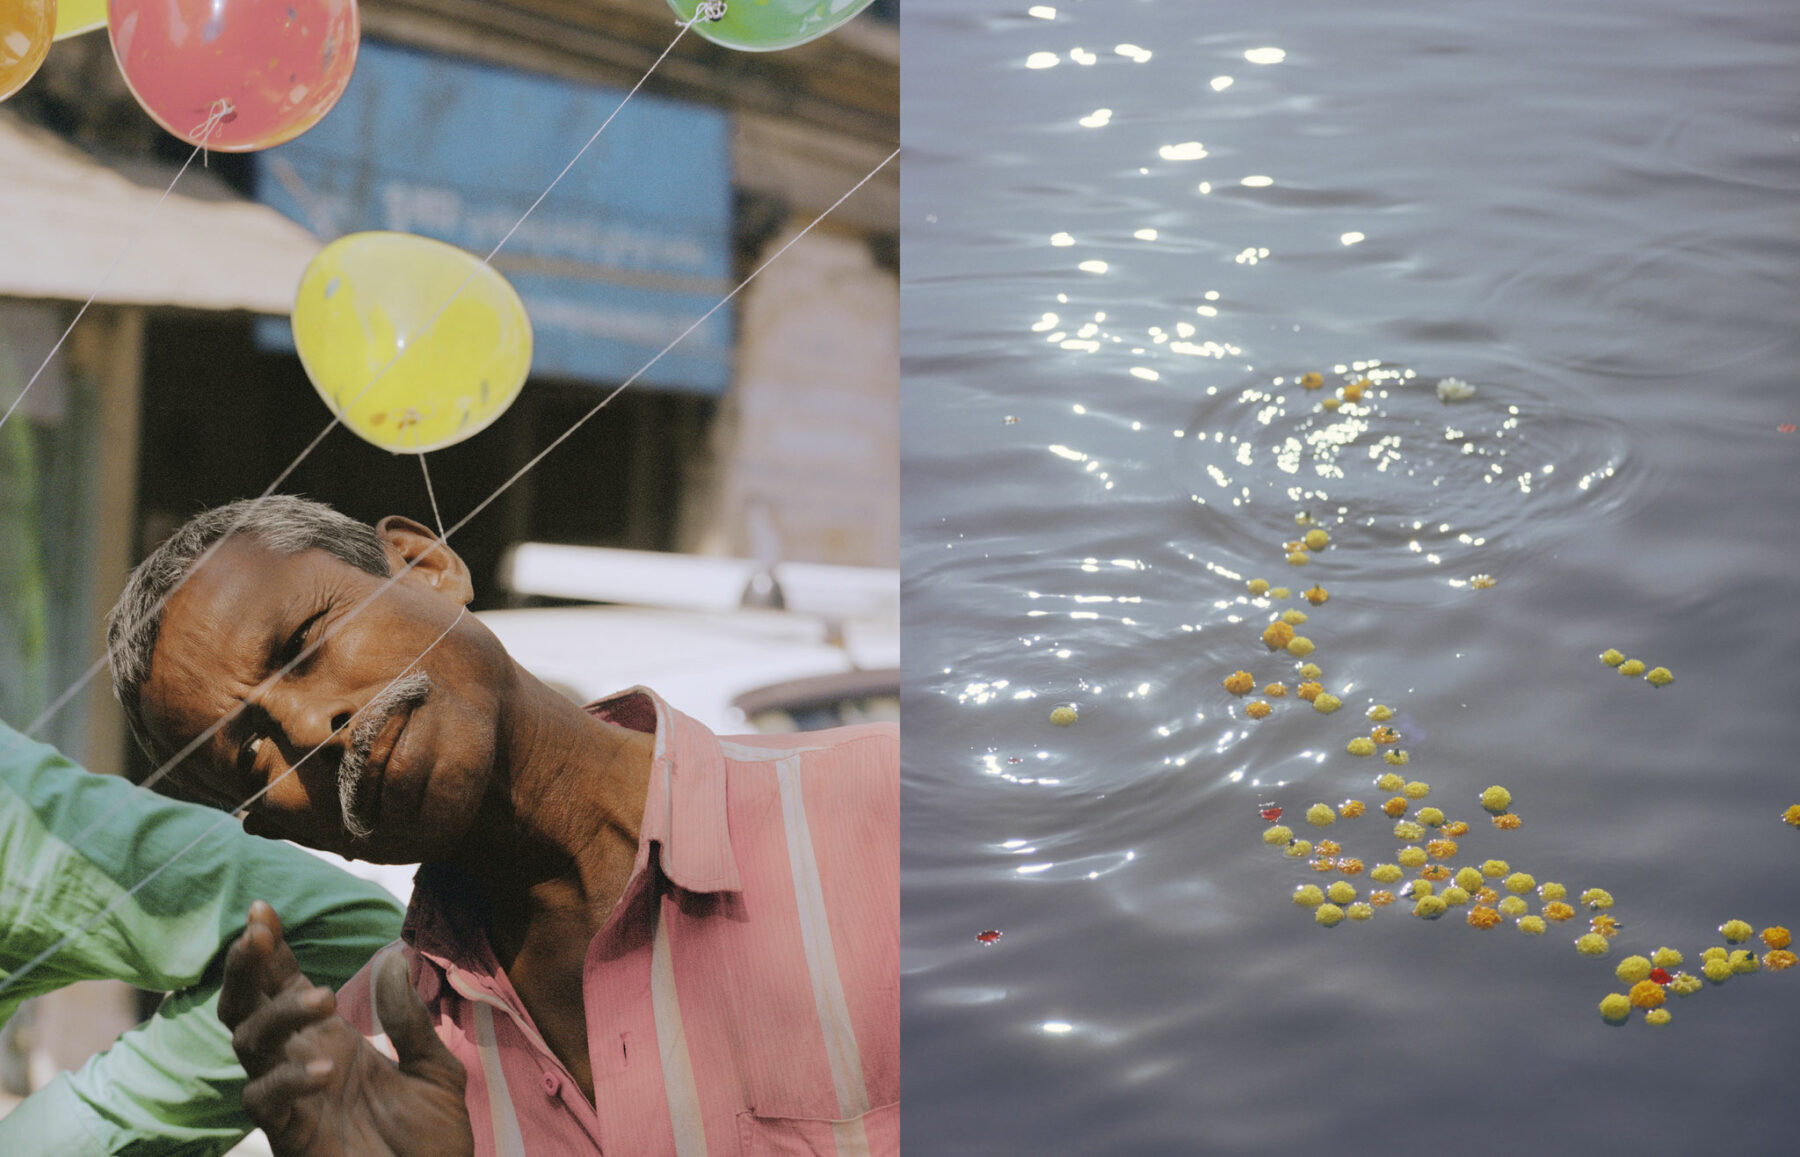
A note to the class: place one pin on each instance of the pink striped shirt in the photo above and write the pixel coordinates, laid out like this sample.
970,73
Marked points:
743,998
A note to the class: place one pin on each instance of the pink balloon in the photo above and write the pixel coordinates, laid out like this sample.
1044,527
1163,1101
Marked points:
235,75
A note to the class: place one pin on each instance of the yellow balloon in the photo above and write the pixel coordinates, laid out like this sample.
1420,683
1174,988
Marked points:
73,17
25,30
415,344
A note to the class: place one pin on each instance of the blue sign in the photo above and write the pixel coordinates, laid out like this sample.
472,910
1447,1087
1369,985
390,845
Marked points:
630,248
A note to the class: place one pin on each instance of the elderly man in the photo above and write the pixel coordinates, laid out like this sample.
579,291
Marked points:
636,936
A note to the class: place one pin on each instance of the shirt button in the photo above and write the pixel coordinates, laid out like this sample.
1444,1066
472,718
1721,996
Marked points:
552,1083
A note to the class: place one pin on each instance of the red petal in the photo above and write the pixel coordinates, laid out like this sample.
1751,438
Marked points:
1661,976
1271,814
991,936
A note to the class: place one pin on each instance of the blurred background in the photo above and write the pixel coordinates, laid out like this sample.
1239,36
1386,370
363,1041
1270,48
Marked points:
769,436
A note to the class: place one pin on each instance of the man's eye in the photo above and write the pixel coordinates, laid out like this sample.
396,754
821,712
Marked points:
297,641
247,755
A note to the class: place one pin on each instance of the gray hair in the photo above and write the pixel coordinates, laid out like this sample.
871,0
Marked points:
281,522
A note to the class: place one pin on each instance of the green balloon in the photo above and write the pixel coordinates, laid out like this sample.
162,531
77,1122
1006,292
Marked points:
766,25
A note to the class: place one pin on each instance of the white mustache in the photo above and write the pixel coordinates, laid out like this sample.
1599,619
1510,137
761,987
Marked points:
403,693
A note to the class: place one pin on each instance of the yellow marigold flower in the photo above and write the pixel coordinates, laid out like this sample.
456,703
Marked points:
1395,807
1380,713
1325,702
1454,896
1736,931
1659,677
1511,907
1611,657
1309,690
1597,898
1383,734
1351,808
1320,815
1507,821
1481,582
1456,828
1593,944
1780,960
1278,834
1434,872
1386,873
1534,925
1316,539
1647,994
1714,953
1777,937
1328,914
1496,799
1550,890
1631,667
1411,856
1361,746
1665,958
1430,907
1605,925
1326,864
1240,682
1330,403
1316,595
1258,586
1309,895
1743,960
1354,391
1293,616
1359,911
1657,1016
1792,816
1276,635
1416,790
1329,848
1299,849
1520,883
1686,983
1481,916
1312,381
1279,592
1397,758
1494,869
1419,888
1258,710
1299,558
1341,892
1275,690
1615,1006
1350,866
1388,781
1633,969
1430,817
1469,877
1063,716
1407,830
1310,671
1381,899
1717,970
1299,646
1439,849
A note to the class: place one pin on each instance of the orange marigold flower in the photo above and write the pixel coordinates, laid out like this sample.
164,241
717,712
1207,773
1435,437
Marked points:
1557,910
1381,898
1275,690
1647,994
1441,849
1456,828
1481,916
1350,866
1605,925
1277,635
1385,735
1258,710
1792,816
1352,808
1326,864
1240,682
1397,806
1329,847
1777,937
1508,822
1780,959
1317,595
1435,872
1309,690
1486,895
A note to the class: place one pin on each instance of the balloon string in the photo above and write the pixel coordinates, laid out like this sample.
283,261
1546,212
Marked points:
437,515
443,536
106,277
81,930
221,110
99,664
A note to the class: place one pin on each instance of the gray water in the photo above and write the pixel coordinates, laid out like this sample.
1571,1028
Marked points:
1586,210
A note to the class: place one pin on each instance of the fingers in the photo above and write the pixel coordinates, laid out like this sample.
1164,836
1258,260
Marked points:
258,965
408,1025
270,1099
261,1039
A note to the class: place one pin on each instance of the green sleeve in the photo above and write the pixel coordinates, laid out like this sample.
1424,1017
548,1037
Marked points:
171,1085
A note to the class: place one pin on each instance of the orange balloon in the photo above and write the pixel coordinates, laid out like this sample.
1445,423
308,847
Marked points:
26,29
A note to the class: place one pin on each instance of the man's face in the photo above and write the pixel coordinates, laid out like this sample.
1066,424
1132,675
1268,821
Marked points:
409,761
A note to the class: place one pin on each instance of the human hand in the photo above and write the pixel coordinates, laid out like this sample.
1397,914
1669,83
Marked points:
317,1087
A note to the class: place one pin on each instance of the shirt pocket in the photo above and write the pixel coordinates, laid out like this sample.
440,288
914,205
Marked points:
875,1133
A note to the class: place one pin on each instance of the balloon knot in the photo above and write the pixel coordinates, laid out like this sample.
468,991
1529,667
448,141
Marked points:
711,11
222,110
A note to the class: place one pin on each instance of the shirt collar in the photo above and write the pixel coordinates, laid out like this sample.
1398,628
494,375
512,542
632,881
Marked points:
685,826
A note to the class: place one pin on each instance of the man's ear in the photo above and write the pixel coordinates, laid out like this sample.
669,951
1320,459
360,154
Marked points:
434,563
